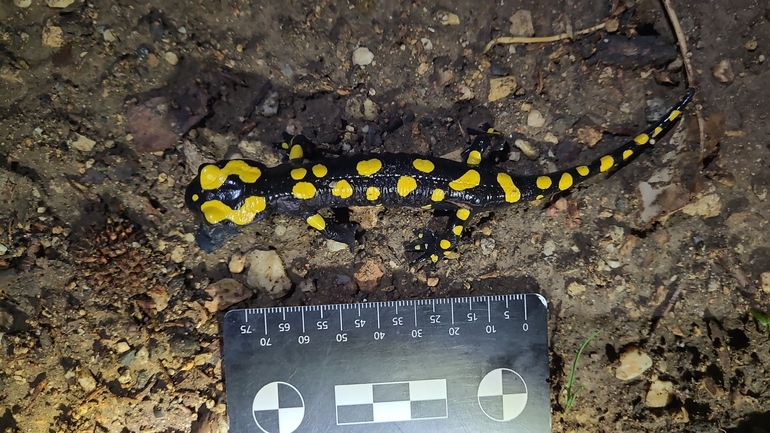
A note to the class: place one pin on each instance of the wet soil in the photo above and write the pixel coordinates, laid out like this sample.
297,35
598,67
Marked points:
108,108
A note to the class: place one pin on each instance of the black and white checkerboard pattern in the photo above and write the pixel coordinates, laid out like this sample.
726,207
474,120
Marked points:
278,407
365,403
502,394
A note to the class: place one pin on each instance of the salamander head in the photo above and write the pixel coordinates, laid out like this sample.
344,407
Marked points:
227,192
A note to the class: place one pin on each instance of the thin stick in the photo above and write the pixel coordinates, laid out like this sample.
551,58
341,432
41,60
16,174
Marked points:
541,39
691,81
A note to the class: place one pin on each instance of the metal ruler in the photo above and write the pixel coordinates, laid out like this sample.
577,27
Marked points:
477,364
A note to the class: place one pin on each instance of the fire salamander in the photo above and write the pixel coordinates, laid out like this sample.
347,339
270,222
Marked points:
239,192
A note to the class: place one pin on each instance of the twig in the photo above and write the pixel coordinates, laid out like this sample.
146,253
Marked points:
691,81
540,39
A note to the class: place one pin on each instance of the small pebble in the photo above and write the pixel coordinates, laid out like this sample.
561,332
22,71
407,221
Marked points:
723,72
521,24
307,286
171,58
237,263
82,143
225,293
86,380
59,4
3,249
335,246
550,138
370,110
426,43
764,280
449,19
362,56
549,247
633,362
53,37
266,273
526,147
368,275
122,347
487,246
751,45
660,393
22,3
535,119
108,36
574,288
500,88
432,281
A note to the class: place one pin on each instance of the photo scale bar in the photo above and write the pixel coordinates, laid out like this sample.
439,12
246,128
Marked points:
367,403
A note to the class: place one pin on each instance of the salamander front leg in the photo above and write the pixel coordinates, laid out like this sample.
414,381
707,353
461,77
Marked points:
485,137
297,146
434,247
345,233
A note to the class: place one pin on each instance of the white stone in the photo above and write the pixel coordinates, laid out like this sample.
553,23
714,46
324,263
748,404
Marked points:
59,4
266,273
633,362
535,119
362,56
659,394
82,143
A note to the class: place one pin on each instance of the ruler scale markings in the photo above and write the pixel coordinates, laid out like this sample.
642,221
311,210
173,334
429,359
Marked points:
415,315
489,312
265,316
525,308
378,316
452,304
303,321
340,319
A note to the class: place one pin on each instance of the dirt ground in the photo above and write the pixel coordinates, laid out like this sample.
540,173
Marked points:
108,108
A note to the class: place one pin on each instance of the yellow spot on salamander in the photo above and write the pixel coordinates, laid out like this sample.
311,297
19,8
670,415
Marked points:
423,165
405,185
543,182
317,222
539,197
212,177
285,146
565,182
457,230
434,258
463,214
215,211
474,158
372,193
298,173
296,152
368,167
512,193
320,170
470,179
627,153
427,206
582,170
657,131
445,244
303,190
438,195
195,197
342,189
674,114
642,139
606,163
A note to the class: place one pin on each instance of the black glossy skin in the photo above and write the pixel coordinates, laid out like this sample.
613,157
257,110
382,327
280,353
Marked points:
277,186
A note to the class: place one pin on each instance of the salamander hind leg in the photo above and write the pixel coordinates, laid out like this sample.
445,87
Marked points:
433,247
345,233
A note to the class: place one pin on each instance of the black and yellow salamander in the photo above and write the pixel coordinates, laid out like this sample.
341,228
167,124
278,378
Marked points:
239,192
